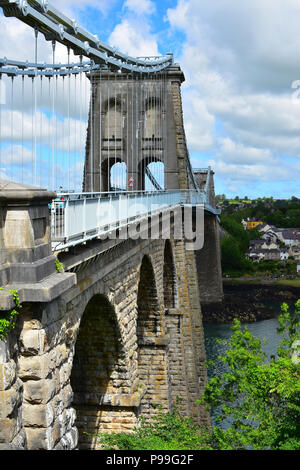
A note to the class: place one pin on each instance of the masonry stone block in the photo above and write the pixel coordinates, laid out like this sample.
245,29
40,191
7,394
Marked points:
9,399
4,351
7,374
39,438
35,367
32,342
39,391
38,415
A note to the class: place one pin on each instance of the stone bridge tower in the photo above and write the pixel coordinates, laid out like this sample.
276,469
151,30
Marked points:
136,120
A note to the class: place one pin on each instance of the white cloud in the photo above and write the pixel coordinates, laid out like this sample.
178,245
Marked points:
240,59
134,38
140,7
231,152
199,123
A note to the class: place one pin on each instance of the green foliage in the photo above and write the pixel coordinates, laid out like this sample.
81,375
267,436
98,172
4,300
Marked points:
8,319
260,398
167,431
254,234
281,212
59,266
236,230
233,259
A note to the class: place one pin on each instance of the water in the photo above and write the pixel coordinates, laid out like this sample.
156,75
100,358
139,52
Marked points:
264,329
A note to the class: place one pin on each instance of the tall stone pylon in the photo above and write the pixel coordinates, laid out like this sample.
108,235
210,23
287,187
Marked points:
136,120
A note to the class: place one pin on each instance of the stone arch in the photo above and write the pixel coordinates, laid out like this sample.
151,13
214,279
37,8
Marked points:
98,372
156,170
148,324
152,360
108,178
169,278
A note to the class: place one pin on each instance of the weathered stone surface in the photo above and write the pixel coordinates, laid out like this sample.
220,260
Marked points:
7,374
39,391
32,342
9,400
4,351
8,429
36,367
39,438
38,415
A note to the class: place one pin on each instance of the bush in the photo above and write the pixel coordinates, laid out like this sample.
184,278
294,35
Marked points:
167,431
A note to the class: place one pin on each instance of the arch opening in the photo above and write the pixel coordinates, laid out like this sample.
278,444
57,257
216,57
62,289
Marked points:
98,371
113,175
169,278
151,174
147,303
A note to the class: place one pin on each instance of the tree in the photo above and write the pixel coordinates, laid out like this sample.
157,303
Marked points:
232,258
261,398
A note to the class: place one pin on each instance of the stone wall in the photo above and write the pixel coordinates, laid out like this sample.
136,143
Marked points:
208,261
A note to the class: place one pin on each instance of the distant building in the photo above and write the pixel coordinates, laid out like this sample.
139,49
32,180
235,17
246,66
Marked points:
244,224
265,250
289,236
294,251
284,254
268,232
253,223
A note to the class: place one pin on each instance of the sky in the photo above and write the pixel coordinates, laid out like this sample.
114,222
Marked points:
241,95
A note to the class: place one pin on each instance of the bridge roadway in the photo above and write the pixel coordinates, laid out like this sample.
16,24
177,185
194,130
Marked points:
78,217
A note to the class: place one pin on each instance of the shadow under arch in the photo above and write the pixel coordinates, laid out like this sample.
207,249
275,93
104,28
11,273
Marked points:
169,278
98,371
147,303
152,366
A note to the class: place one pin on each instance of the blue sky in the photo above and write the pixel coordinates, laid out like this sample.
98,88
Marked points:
240,59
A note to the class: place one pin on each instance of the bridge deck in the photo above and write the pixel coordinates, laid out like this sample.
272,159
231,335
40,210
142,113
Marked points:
79,217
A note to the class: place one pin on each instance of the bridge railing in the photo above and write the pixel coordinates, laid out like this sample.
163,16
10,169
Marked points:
79,217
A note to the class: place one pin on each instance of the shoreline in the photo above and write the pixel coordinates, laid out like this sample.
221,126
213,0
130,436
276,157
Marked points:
251,300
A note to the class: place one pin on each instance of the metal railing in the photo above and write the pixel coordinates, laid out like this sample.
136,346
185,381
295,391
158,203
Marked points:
79,217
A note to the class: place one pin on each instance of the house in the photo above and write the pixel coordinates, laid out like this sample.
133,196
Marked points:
268,232
289,236
254,254
294,251
269,245
273,254
244,224
253,223
284,254
256,243
264,251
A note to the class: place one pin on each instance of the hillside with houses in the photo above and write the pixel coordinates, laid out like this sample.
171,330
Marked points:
260,235
275,243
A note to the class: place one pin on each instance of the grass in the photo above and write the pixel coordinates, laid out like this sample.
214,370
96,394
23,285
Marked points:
289,282
284,282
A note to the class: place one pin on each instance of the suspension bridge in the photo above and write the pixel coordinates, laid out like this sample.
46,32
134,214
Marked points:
95,171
